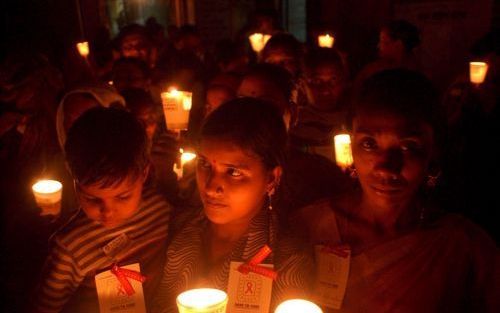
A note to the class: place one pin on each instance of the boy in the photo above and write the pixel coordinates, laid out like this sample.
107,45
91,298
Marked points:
118,222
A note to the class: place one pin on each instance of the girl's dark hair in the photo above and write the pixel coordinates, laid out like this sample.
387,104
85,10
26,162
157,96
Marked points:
106,146
404,31
275,75
251,124
403,92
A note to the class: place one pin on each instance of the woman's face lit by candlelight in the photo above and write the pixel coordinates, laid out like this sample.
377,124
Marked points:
392,155
233,183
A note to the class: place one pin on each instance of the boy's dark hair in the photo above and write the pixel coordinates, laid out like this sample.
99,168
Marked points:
137,100
286,42
106,146
404,31
274,74
322,56
140,64
403,92
131,29
251,124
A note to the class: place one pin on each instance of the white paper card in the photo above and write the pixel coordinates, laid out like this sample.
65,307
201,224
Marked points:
112,297
332,272
248,292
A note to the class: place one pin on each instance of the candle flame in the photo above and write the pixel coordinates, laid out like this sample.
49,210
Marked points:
201,298
83,48
298,305
47,186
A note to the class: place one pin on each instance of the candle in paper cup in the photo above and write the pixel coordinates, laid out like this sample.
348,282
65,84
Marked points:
325,41
258,41
477,72
83,48
203,300
343,152
176,108
298,306
186,157
48,195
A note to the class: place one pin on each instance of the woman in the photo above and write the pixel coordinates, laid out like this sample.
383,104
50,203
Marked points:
239,167
406,254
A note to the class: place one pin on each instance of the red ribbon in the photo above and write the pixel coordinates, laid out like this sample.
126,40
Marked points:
122,274
253,264
340,250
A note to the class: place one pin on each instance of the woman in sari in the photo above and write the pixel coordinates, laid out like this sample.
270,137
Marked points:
406,255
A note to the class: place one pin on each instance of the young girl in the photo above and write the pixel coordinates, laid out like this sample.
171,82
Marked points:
406,254
239,167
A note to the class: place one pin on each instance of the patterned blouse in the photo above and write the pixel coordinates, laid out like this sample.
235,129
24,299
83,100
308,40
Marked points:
185,267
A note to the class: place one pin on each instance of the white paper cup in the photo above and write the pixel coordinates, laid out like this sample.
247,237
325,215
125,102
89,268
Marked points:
203,300
477,72
176,108
343,152
48,194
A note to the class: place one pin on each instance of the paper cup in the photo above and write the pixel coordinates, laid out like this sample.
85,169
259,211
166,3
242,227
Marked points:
343,152
176,108
477,72
48,194
203,300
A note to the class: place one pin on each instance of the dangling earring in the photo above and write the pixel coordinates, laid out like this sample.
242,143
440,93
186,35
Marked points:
431,180
353,173
270,201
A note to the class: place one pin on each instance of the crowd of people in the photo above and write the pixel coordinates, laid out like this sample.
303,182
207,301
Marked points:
415,213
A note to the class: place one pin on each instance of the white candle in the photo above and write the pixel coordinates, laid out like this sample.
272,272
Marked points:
298,306
48,195
343,152
203,300
176,108
258,41
83,48
477,71
186,157
325,41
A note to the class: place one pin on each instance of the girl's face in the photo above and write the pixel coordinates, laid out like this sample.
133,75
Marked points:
284,59
232,182
392,155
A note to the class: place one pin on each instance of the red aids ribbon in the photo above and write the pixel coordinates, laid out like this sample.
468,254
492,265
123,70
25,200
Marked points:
122,274
253,264
339,250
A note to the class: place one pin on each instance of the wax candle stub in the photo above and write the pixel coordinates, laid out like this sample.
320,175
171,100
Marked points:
203,300
326,41
343,153
298,306
48,194
83,48
185,158
258,41
477,72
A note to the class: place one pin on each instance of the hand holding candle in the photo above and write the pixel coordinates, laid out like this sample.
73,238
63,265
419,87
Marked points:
48,194
326,41
83,48
185,157
258,41
343,153
203,300
477,72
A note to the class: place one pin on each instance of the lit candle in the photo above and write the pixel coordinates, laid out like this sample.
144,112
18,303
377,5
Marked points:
343,153
176,108
203,300
48,195
83,48
298,306
258,41
186,157
477,71
325,41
